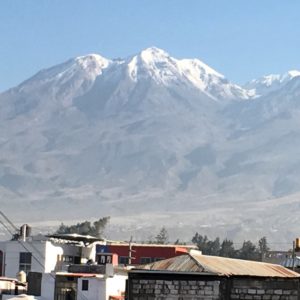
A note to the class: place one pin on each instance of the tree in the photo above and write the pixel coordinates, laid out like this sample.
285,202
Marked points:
99,226
201,242
85,228
263,247
213,247
179,242
248,251
227,249
162,237
206,246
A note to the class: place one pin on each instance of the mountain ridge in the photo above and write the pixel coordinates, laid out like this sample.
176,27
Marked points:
161,136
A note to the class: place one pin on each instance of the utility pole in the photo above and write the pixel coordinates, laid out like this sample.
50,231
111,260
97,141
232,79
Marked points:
130,257
293,255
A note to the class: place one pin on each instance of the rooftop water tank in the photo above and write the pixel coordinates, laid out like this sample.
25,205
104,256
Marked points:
21,276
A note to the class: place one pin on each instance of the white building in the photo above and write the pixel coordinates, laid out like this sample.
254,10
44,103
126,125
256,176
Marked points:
103,280
83,286
46,261
41,258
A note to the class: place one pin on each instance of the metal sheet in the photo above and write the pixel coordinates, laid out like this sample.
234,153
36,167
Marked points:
182,263
239,267
196,262
289,262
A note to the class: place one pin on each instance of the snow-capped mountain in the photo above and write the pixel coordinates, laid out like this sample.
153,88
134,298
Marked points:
166,70
281,102
270,83
151,139
61,83
153,79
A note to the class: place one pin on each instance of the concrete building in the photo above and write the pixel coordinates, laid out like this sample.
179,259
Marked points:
200,277
143,253
94,282
41,257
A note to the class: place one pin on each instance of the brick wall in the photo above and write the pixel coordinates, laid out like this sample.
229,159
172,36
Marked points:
265,289
151,289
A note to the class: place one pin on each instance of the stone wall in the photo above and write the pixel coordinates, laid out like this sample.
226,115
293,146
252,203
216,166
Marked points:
151,289
264,289
176,286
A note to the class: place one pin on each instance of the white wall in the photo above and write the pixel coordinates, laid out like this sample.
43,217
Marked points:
44,260
12,256
96,289
44,255
51,253
71,250
115,285
89,252
101,288
48,284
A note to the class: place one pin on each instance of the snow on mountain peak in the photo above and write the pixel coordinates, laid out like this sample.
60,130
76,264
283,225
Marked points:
88,66
198,64
77,76
164,69
154,54
270,83
153,62
66,80
291,74
95,61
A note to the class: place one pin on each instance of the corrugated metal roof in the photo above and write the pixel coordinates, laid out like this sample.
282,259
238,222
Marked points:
289,262
196,262
239,267
182,263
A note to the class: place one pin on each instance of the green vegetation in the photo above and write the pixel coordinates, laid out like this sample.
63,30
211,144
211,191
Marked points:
226,249
215,247
85,228
162,237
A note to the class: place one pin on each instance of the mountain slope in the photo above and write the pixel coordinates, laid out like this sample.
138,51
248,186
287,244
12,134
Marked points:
270,83
149,138
60,83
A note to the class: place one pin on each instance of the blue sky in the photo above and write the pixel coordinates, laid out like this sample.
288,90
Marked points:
239,38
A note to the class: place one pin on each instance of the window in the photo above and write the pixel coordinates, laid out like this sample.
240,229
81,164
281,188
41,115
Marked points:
123,260
85,285
25,262
146,260
68,258
77,260
158,258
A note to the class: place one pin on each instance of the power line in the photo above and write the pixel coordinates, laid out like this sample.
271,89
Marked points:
82,296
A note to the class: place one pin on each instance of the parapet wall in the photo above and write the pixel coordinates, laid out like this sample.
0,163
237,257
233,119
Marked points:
168,287
265,289
147,289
